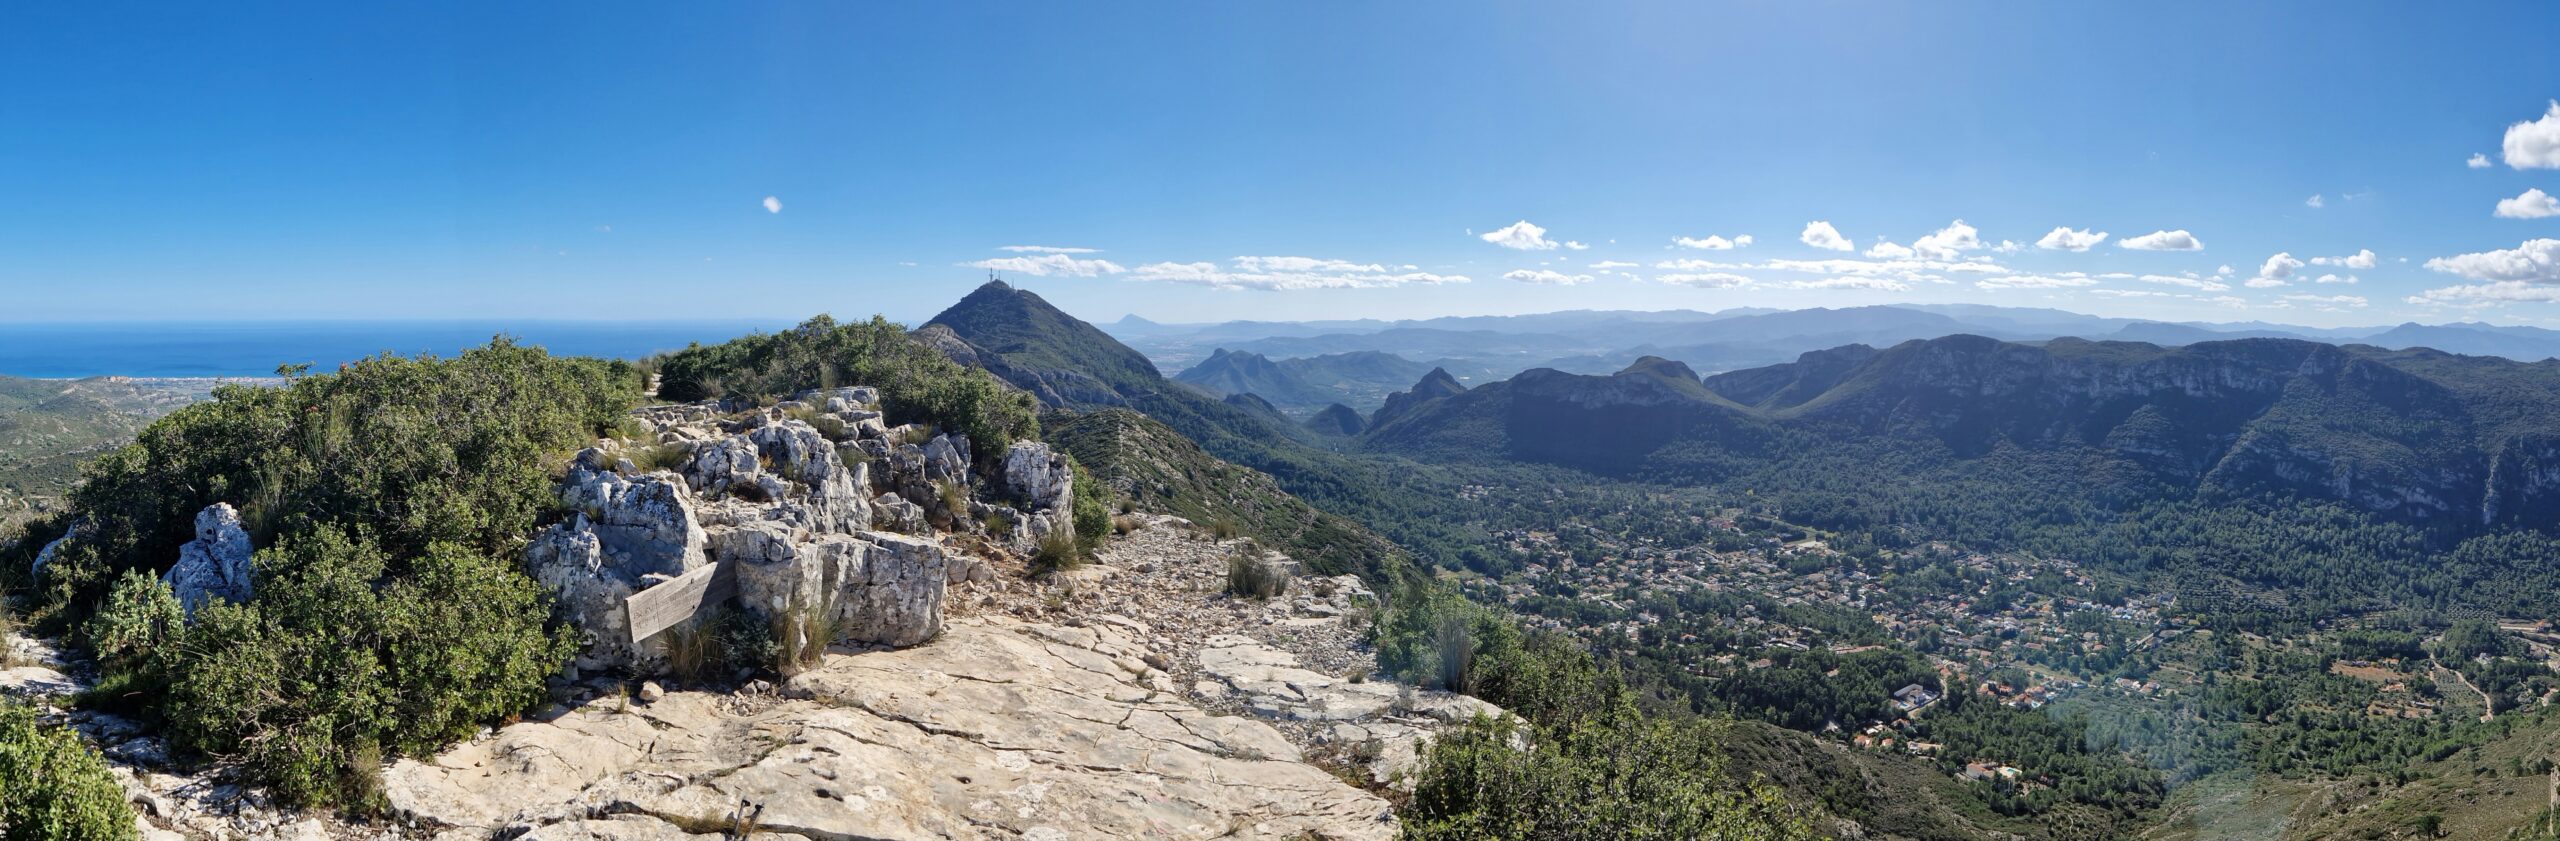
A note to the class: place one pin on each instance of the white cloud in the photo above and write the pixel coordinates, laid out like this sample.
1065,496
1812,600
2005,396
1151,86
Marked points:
2477,295
1886,249
1691,265
772,205
2195,283
1288,274
1949,243
1885,284
2535,144
1613,264
2263,282
2534,261
1577,246
1304,264
1706,280
2178,240
2277,268
2134,293
2315,202
1047,249
1714,243
2066,239
1523,236
2533,204
2009,246
2477,161
2362,259
2331,278
2028,281
2224,271
1547,277
1822,235
1050,265
2352,301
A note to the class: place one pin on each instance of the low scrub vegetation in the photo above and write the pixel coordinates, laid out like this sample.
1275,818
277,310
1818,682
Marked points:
1577,757
53,787
916,383
391,614
1252,575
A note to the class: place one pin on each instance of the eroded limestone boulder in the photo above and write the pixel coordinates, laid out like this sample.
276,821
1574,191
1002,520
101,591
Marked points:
824,493
216,564
79,530
1036,477
629,533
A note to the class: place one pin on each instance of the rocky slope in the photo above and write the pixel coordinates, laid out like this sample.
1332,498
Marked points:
962,697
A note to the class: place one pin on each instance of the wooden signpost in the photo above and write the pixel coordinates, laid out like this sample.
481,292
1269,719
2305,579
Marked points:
671,603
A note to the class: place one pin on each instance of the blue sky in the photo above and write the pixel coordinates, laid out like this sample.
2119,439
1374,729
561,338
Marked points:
1269,160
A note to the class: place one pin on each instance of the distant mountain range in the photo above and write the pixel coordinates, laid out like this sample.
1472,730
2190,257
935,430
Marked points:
2404,434
2415,435
1300,367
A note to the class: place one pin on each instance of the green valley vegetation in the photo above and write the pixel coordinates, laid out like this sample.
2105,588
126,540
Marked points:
48,427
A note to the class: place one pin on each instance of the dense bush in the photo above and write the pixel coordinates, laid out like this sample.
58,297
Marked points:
917,384
417,450
391,614
1618,775
52,787
1431,636
325,672
1577,758
1092,508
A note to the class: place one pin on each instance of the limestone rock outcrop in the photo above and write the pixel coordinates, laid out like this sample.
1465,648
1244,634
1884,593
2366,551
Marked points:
628,533
44,557
216,564
787,499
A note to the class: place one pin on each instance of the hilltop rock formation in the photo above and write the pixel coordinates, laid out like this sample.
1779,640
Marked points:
215,565
787,500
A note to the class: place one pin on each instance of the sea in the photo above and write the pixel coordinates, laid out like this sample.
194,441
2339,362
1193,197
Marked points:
70,350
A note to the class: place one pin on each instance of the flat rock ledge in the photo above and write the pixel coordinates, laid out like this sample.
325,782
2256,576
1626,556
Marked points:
999,728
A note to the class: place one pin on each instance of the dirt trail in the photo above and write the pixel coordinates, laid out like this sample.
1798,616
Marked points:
2488,708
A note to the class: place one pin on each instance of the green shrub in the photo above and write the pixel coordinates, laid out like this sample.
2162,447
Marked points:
53,787
1431,636
1617,775
311,682
418,451
1251,575
917,384
139,626
1092,507
391,618
1581,759
1058,552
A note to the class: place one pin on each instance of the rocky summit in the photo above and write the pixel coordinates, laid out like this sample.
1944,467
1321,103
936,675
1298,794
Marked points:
960,695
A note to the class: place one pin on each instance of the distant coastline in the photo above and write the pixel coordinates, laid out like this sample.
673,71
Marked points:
237,350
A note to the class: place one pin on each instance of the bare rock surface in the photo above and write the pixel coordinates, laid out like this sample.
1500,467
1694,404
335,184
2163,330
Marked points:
1297,660
997,729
